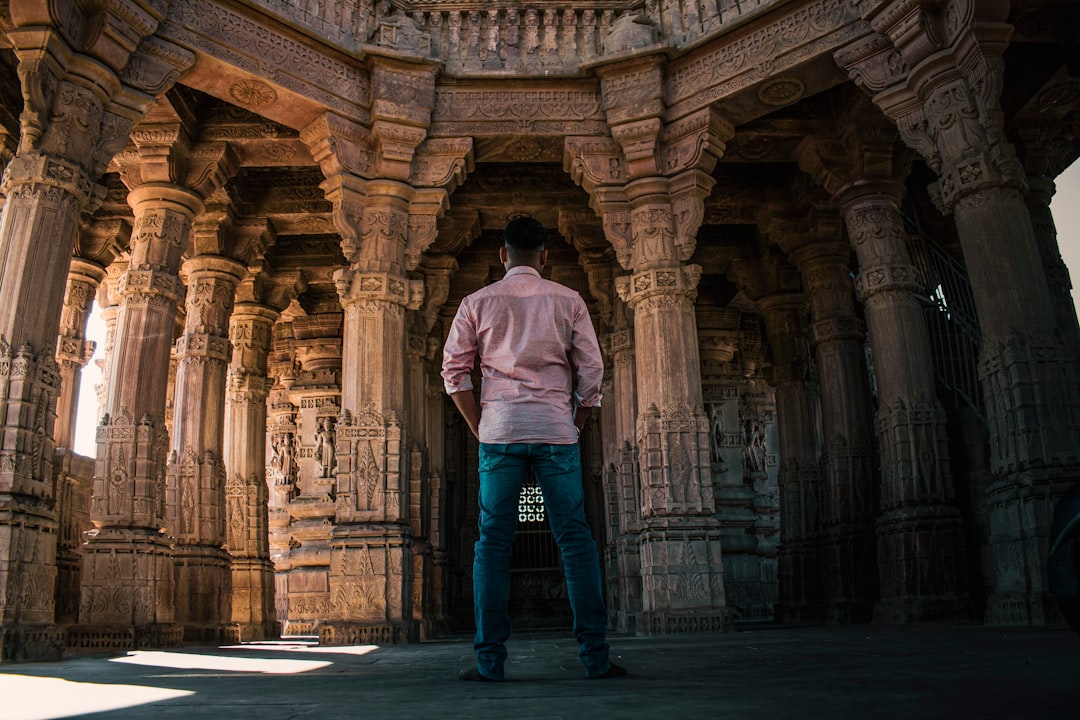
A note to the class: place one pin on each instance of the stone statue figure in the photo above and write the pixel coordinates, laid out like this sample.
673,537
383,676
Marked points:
716,438
324,450
754,446
277,460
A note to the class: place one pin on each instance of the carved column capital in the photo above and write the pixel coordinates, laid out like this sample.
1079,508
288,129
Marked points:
426,206
639,141
601,276
437,272
939,76
346,193
212,282
251,328
274,289
695,142
163,153
594,162
650,289
340,146
442,163
80,105
394,145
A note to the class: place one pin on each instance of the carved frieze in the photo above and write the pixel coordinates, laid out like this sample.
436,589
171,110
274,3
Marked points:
266,52
525,108
744,59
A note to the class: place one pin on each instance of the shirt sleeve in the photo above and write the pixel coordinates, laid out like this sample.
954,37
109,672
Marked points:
459,352
585,352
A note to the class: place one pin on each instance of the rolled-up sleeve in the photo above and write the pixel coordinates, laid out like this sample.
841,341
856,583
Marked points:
588,361
459,352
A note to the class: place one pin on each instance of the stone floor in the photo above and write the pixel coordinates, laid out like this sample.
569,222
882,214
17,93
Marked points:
820,672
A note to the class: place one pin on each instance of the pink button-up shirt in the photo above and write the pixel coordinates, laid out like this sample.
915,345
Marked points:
531,334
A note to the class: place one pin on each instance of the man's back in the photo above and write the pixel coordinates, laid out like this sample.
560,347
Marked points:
531,334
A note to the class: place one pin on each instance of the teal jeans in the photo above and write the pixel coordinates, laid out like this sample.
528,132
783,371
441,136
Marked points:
557,469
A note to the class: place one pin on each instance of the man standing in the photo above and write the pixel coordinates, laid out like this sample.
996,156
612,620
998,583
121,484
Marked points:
531,335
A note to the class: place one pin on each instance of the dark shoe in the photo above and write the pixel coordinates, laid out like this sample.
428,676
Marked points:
612,672
472,674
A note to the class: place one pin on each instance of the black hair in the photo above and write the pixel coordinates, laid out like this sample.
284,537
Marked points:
524,234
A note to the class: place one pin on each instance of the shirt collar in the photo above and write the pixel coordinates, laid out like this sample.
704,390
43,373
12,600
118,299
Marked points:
521,269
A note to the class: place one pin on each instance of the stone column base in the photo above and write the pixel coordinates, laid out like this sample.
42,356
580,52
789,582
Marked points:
30,643
919,608
199,634
799,614
627,622
125,637
251,632
684,621
1020,608
344,632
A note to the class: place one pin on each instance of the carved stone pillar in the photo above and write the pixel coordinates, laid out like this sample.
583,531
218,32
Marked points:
387,185
681,566
73,479
195,478
801,492
625,487
244,453
944,95
108,300
1040,190
427,415
128,584
921,548
648,184
73,350
371,566
849,483
79,106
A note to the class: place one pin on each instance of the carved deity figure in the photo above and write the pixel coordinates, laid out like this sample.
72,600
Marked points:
283,459
325,454
754,446
716,438
277,459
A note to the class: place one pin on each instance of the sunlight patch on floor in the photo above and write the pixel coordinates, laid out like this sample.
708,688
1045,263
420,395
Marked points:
26,697
191,661
287,646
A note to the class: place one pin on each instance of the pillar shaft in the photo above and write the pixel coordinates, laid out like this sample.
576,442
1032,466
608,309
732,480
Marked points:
800,479
921,550
73,350
195,479
371,568
947,106
246,491
849,486
1040,191
681,565
1031,387
38,225
624,485
128,584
